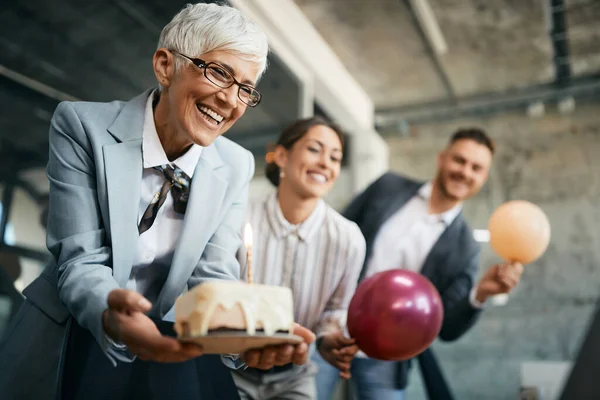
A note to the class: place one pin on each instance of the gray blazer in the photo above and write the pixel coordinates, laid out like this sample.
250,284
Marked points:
451,265
95,171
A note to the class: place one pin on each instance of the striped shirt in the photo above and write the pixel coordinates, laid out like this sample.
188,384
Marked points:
319,259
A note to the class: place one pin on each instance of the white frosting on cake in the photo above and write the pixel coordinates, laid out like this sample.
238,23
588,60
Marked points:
234,305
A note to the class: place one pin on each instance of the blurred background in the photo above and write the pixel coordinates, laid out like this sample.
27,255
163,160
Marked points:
399,77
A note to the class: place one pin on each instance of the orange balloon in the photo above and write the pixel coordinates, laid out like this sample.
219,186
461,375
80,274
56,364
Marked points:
519,231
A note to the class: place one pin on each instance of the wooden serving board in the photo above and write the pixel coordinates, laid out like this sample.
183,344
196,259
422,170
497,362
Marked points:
236,342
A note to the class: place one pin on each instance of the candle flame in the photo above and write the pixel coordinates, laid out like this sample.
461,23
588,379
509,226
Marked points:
248,236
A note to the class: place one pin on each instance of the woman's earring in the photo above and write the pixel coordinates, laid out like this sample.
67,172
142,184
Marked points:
281,174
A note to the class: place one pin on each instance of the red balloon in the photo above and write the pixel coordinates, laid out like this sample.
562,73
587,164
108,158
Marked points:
395,315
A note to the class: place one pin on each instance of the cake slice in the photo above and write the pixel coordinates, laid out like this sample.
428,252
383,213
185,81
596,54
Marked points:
236,306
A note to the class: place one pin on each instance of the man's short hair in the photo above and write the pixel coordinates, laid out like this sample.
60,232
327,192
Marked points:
475,134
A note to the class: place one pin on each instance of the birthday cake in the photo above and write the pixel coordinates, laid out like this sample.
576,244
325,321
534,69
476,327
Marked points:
217,306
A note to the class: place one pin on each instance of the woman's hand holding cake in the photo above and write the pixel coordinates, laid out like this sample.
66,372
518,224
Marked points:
271,356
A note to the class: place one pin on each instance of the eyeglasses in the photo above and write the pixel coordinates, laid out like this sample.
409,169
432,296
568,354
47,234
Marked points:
221,77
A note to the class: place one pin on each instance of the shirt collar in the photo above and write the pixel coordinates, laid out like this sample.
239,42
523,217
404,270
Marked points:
283,228
153,153
447,216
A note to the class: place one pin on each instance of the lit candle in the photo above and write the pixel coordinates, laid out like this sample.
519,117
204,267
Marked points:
248,244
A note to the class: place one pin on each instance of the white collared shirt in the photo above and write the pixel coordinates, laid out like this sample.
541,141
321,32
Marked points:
319,259
156,246
407,237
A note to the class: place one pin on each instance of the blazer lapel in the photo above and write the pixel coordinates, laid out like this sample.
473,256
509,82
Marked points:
123,165
440,253
388,206
206,198
402,196
123,168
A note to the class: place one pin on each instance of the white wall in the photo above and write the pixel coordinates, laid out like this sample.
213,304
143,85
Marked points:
300,46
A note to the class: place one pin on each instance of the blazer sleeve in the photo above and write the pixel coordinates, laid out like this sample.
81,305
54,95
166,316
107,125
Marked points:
459,313
355,209
75,235
219,261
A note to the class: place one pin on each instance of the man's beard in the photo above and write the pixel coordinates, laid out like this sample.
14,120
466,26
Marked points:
441,184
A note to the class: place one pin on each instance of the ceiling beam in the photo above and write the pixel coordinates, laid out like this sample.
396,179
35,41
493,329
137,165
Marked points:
414,6
34,85
136,15
489,103
558,36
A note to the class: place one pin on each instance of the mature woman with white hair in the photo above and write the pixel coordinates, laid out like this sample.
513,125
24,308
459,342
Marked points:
146,201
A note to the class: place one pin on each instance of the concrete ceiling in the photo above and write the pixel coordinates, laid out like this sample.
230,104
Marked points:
493,46
51,50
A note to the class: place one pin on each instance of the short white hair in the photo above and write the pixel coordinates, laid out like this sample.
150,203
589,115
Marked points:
201,28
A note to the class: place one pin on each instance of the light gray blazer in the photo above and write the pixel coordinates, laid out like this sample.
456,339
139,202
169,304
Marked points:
95,172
